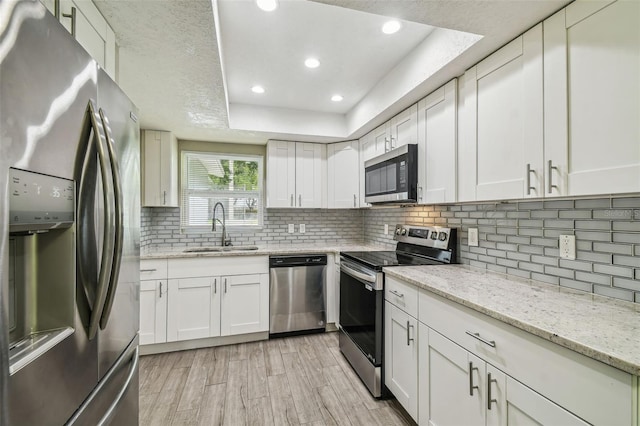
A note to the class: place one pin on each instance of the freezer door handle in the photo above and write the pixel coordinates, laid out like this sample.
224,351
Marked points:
118,226
87,251
131,355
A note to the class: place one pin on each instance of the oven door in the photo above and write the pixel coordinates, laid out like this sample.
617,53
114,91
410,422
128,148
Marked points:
361,302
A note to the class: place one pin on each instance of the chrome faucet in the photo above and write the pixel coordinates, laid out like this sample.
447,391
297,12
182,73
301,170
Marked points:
225,241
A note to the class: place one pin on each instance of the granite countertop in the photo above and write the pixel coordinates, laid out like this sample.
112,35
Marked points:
601,328
261,251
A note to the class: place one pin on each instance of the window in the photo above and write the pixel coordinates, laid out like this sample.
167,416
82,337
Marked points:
233,180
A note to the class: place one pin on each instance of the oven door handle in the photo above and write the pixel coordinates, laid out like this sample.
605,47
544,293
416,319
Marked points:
349,270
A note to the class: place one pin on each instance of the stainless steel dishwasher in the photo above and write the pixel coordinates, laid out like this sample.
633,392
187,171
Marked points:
297,293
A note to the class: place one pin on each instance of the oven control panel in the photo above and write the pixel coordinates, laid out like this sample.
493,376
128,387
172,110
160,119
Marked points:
430,236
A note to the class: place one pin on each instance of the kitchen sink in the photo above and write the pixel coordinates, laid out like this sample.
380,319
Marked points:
219,249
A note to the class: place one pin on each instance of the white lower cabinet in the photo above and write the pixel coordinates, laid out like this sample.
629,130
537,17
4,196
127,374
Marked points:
456,366
401,357
182,299
153,311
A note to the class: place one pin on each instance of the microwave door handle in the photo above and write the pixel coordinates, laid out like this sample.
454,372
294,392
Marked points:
118,226
85,212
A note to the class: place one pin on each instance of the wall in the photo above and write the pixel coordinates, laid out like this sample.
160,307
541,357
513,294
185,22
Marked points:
161,229
521,238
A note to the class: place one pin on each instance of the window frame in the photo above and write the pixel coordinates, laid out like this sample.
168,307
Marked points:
185,192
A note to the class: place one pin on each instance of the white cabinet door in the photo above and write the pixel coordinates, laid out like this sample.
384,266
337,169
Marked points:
310,174
592,98
526,407
281,174
502,143
160,159
343,175
382,137
455,384
193,311
401,357
404,127
437,128
153,311
245,304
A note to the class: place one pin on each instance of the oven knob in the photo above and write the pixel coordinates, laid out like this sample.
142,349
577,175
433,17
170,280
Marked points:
397,231
434,235
443,236
404,231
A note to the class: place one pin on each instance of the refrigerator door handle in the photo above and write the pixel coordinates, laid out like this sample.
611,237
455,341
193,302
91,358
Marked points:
86,249
114,405
118,227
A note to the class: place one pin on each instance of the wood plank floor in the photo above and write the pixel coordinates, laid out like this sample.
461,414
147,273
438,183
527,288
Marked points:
289,381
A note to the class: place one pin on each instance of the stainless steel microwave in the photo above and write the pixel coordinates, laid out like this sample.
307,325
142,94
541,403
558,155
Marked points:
392,177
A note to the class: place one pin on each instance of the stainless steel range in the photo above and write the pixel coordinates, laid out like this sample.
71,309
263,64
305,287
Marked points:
362,293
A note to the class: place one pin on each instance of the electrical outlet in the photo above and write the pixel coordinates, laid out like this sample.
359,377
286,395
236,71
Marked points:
291,228
473,237
302,228
568,247
386,229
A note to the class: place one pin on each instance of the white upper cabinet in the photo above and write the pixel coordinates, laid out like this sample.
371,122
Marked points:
592,98
501,135
343,175
437,129
404,128
296,174
85,22
160,162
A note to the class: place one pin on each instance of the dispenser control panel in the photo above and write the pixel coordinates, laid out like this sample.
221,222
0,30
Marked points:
38,201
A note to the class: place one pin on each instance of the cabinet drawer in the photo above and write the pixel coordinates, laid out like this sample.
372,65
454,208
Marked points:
215,266
401,294
594,391
153,269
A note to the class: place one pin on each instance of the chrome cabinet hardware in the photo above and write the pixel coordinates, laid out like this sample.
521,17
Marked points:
409,338
56,9
148,270
292,201
300,200
550,169
529,171
164,198
477,336
471,370
354,200
489,399
396,293
386,142
72,16
215,285
392,138
160,289
225,285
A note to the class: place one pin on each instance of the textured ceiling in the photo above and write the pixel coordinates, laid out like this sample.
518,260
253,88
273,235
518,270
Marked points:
169,63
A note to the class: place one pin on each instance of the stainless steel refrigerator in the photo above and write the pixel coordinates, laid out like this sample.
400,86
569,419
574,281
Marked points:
69,230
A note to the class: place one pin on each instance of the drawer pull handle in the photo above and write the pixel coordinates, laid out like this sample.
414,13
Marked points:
160,289
471,370
477,336
409,339
489,399
215,285
396,293
148,270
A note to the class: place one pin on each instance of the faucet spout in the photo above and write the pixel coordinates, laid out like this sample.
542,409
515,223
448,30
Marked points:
224,241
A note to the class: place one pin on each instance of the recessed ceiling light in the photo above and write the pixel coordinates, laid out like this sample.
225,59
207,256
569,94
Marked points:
257,89
312,63
267,5
337,98
391,27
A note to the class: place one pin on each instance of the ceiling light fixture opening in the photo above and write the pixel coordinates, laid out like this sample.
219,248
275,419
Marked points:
312,63
337,98
257,89
267,5
391,27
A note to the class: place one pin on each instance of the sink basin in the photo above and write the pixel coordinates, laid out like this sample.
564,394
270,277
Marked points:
219,249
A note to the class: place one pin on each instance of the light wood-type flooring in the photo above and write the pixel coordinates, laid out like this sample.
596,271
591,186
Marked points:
287,381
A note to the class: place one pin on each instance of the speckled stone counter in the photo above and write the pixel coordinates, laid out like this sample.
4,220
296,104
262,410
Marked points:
604,329
261,251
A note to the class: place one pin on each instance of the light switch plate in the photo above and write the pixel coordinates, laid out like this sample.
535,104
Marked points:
386,229
291,228
568,247
302,228
473,237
